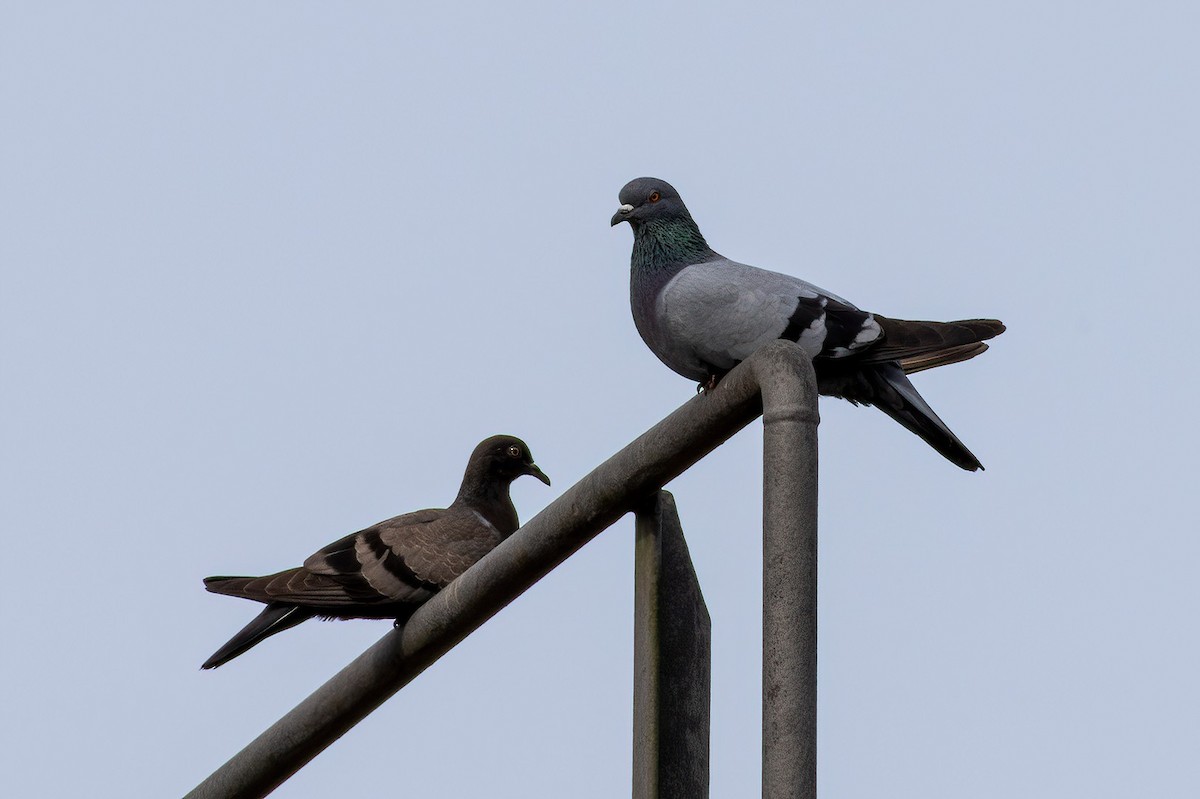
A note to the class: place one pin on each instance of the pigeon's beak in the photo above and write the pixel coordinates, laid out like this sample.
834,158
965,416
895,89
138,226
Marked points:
538,473
621,215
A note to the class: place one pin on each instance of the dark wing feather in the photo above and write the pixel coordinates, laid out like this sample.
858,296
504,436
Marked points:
439,551
885,386
840,328
410,557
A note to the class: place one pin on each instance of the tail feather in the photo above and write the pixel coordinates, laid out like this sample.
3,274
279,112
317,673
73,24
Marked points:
275,618
963,352
930,344
256,588
886,387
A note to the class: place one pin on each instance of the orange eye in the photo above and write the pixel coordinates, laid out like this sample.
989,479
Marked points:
655,196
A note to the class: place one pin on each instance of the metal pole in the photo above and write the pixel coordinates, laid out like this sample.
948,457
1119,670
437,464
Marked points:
790,590
671,661
583,511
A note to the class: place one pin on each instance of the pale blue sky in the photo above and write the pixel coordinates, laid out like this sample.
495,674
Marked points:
271,270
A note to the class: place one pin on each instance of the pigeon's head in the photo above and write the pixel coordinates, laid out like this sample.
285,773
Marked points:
647,199
504,459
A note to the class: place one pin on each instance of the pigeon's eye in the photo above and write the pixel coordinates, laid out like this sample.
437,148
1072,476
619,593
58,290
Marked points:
514,451
655,196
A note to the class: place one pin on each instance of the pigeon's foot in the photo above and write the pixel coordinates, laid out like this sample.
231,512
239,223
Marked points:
708,385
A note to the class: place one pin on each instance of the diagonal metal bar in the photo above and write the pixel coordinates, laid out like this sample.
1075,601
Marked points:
671,660
779,373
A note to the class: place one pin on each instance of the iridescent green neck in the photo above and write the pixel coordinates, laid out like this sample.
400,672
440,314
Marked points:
665,243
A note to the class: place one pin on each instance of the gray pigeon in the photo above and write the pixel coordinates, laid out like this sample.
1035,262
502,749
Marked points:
387,571
702,314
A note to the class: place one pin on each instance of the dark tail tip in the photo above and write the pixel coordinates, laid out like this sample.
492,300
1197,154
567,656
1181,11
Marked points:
273,619
898,398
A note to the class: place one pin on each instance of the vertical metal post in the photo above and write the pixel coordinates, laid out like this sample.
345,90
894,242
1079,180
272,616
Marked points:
790,588
671,661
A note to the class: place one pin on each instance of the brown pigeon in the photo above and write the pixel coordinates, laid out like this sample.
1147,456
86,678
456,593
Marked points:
388,570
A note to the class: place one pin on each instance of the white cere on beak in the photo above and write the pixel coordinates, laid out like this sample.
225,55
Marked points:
626,208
